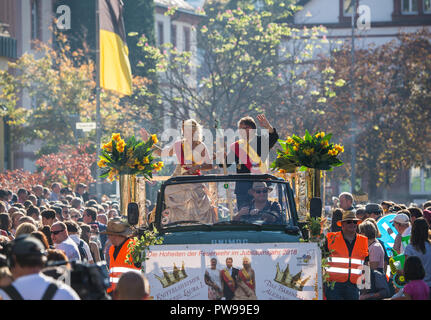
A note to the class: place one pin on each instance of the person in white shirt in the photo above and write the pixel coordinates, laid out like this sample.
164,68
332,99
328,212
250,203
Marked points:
213,281
62,241
26,260
74,231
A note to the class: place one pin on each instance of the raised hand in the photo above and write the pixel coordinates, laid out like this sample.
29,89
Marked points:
264,123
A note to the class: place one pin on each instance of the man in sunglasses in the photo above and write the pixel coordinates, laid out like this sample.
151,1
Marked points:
62,241
347,253
260,209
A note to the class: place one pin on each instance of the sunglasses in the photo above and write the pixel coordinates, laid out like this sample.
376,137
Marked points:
75,216
57,232
351,221
261,191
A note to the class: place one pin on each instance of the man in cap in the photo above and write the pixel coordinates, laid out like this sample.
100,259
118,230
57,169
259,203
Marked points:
120,235
348,252
401,223
26,259
374,210
260,209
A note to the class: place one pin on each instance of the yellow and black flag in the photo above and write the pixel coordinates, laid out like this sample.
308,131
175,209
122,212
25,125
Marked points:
115,71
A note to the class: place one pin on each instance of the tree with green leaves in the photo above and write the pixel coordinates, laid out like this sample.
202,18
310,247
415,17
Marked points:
61,94
248,63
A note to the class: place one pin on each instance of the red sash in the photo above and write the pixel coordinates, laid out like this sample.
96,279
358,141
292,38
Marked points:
248,157
228,279
246,278
180,152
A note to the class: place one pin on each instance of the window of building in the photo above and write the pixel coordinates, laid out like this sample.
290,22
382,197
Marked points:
160,33
186,39
409,6
174,35
35,19
427,6
420,180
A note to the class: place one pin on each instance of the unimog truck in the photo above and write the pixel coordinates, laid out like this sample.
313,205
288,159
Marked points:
205,236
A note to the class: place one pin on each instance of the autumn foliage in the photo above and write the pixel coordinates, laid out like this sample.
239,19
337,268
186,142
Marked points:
15,179
70,166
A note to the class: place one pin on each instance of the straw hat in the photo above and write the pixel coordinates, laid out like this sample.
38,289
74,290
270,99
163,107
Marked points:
347,216
117,227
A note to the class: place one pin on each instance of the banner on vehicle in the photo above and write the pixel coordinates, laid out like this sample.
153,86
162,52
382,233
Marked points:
275,271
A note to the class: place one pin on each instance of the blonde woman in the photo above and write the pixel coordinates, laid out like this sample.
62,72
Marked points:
188,201
192,154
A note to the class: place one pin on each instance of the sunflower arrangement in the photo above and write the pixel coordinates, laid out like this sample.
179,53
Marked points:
131,156
311,151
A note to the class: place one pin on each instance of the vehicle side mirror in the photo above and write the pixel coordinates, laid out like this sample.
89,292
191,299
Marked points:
315,207
133,213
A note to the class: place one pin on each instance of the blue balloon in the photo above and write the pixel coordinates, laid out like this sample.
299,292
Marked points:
388,232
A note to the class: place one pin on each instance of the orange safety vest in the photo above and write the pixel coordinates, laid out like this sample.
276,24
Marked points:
342,266
119,265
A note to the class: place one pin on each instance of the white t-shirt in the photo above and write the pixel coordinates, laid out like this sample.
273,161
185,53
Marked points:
215,276
77,239
69,247
33,286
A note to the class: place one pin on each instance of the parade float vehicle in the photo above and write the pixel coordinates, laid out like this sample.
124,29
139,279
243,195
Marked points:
197,218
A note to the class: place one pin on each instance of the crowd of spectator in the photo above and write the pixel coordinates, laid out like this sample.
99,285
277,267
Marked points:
411,224
67,224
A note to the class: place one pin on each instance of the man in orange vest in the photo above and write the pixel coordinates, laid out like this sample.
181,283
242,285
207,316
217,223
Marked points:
119,233
348,253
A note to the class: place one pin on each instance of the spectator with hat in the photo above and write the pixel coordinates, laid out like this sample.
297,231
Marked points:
260,209
120,235
401,223
26,259
348,252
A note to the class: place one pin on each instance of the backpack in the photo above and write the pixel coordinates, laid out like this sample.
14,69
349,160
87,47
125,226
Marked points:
15,295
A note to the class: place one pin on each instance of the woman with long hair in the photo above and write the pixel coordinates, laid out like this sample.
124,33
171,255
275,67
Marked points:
420,246
188,201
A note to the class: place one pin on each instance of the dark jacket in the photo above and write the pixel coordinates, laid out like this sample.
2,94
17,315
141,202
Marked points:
227,292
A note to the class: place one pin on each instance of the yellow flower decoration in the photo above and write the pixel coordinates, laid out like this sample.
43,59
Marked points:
154,138
325,143
290,140
320,135
295,148
107,146
112,174
146,160
333,152
116,137
101,163
339,148
120,145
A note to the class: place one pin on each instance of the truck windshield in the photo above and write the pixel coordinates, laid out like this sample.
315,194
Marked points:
227,202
